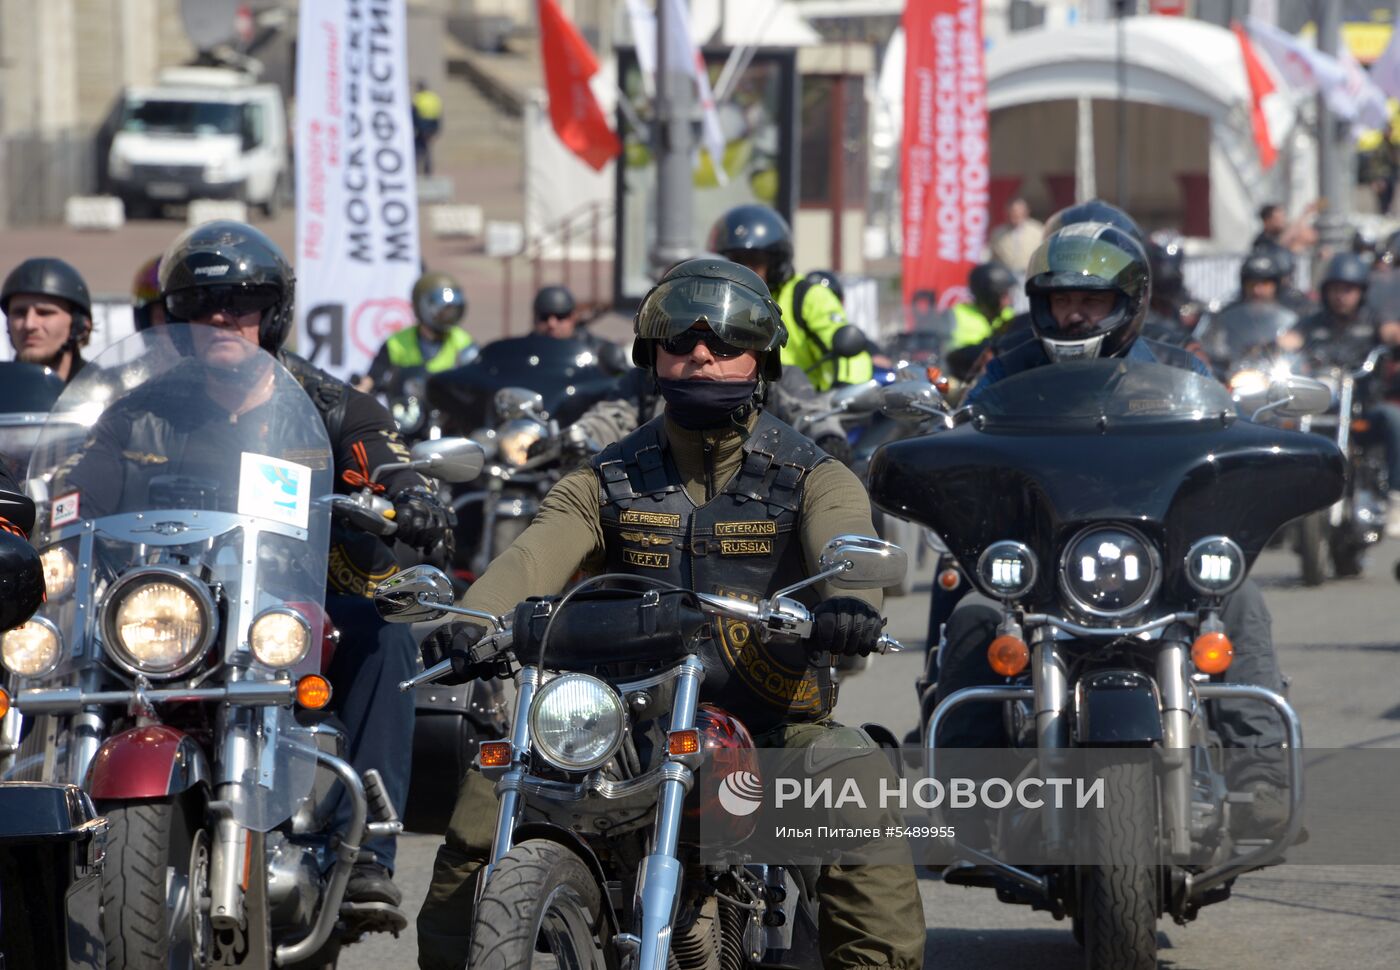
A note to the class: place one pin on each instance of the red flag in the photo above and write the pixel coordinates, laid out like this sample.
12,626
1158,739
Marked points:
568,64
1261,85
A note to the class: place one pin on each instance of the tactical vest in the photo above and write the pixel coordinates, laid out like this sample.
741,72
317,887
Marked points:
742,542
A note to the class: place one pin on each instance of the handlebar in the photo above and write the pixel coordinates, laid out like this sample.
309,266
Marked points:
370,514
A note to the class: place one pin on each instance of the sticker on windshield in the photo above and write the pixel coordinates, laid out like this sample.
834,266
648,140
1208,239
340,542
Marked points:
270,488
65,510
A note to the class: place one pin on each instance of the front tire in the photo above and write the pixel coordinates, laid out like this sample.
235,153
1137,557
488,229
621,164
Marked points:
149,885
1118,902
541,904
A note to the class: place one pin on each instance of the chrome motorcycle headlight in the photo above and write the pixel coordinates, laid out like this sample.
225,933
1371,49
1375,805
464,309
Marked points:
1110,571
1215,565
60,572
157,622
1247,383
281,637
576,722
31,649
514,438
1007,569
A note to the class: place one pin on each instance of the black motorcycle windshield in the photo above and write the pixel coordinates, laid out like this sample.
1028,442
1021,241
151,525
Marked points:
1058,447
1245,328
560,371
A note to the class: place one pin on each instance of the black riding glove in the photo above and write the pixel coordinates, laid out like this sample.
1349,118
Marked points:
423,522
837,447
846,626
456,642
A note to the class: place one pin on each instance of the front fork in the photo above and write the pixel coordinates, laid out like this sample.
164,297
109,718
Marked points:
659,877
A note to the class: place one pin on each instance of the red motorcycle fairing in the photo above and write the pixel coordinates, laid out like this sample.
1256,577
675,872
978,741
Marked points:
728,746
146,762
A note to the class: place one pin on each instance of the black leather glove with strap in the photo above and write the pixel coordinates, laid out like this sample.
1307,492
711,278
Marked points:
456,641
846,626
423,522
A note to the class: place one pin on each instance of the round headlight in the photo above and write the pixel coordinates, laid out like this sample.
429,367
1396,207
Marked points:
59,572
280,638
1215,565
515,438
1007,569
157,622
31,649
576,722
1109,571
1247,383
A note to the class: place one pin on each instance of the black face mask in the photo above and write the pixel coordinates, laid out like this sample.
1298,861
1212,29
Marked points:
703,405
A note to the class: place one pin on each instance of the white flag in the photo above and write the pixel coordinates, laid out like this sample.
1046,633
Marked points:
1385,70
357,200
1350,93
680,50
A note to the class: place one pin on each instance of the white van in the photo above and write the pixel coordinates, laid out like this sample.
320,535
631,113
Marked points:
202,133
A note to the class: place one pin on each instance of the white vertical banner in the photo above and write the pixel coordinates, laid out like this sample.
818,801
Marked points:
357,206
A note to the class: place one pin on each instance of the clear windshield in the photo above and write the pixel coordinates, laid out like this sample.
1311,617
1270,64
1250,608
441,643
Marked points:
1244,329
1102,395
182,117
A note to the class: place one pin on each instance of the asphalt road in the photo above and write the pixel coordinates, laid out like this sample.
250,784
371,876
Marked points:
1340,646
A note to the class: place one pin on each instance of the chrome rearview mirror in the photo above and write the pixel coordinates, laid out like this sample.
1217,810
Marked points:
911,401
858,398
454,460
859,562
518,402
416,594
1291,396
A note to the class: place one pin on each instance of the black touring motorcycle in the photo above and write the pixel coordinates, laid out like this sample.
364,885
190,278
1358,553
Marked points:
1110,508
595,856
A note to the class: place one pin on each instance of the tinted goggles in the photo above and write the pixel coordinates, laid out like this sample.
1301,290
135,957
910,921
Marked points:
199,302
684,342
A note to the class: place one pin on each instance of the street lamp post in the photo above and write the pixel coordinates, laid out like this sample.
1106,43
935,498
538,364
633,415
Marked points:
1335,154
671,146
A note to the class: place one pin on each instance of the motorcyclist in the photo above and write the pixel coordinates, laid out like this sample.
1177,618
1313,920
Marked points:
557,315
234,281
147,310
712,336
975,324
1089,287
49,314
758,237
1345,330
1172,314
436,342
1288,294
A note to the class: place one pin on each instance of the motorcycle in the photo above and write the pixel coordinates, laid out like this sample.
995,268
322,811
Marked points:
1110,508
176,669
1232,337
27,393
592,855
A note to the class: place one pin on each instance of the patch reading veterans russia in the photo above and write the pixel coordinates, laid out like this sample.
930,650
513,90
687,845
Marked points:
761,527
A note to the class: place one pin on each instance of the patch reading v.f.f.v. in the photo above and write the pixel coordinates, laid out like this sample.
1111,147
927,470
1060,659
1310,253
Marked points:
756,527
648,560
664,520
746,547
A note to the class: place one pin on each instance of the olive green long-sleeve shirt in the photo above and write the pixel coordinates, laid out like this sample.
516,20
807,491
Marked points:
567,536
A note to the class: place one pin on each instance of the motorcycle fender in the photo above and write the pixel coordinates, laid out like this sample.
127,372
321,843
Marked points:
146,762
1117,708
571,841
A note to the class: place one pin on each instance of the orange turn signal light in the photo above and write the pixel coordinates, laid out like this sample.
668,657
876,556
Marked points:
494,754
683,742
949,579
1360,425
1212,653
313,692
1008,655
4,702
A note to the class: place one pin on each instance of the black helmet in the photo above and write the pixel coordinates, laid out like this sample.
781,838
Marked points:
730,298
989,282
1095,210
829,279
1283,257
756,228
49,276
1089,256
556,300
227,265
1262,264
438,302
1167,261
1347,268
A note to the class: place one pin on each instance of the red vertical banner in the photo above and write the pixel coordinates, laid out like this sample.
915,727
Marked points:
945,166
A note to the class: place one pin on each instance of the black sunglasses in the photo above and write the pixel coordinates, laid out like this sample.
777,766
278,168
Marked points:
684,342
198,302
